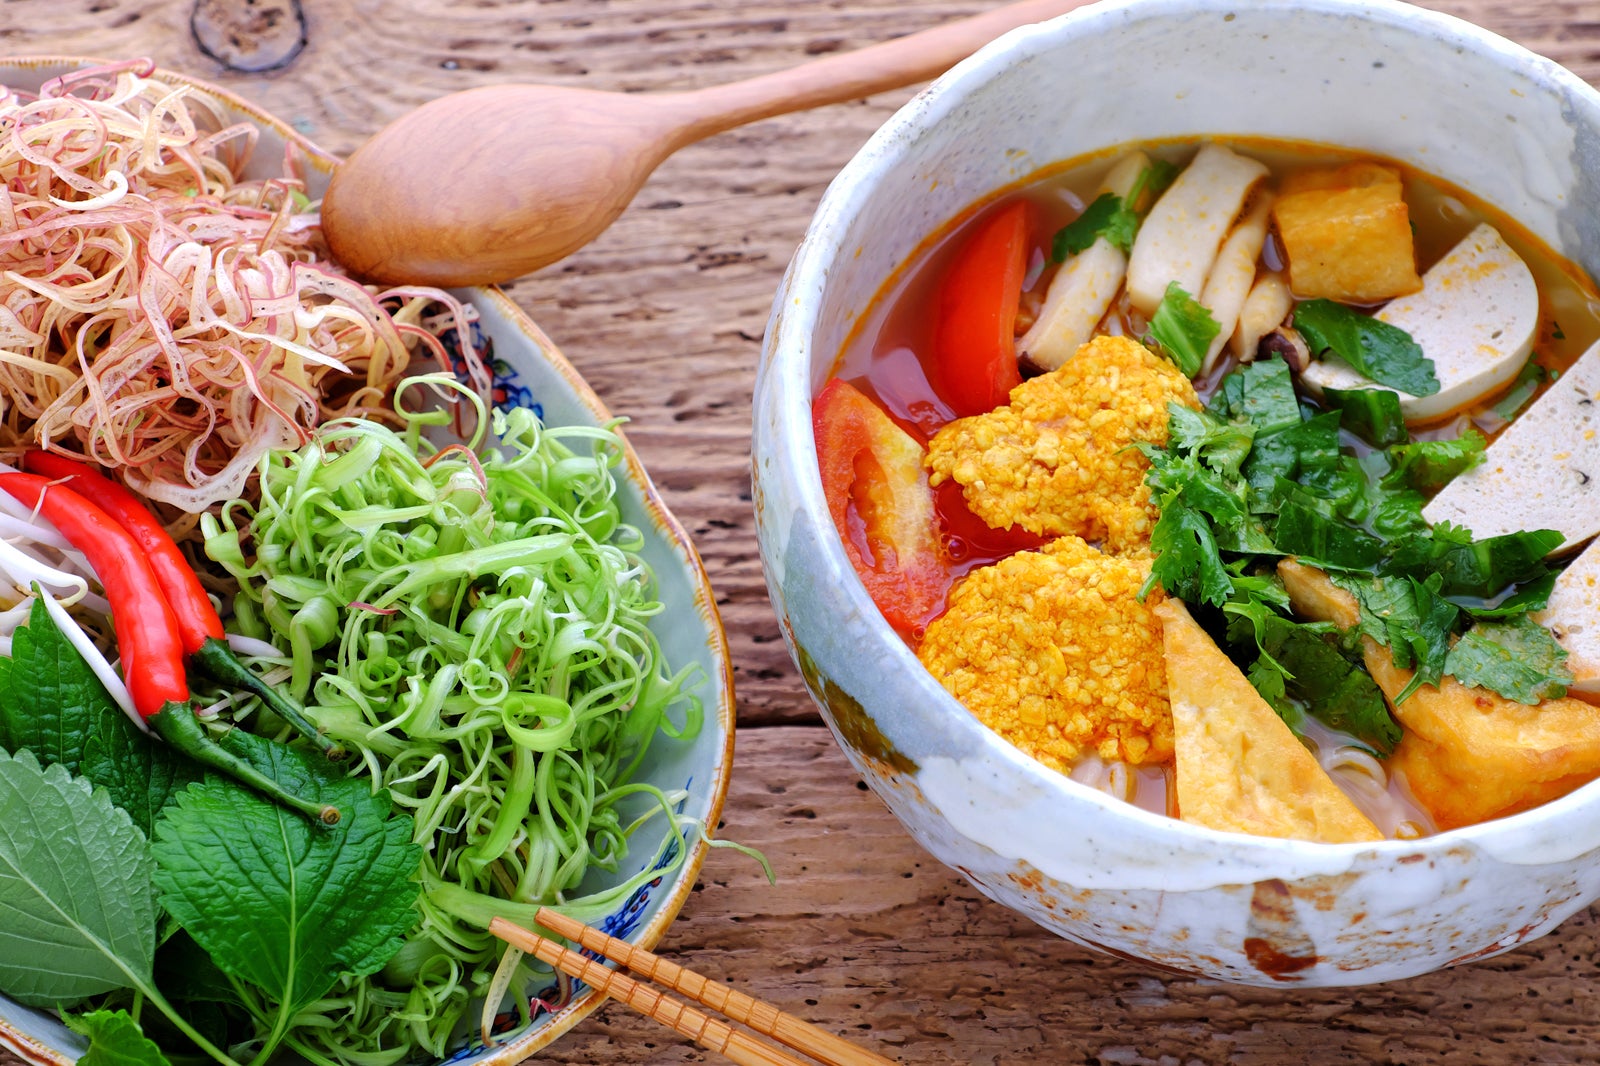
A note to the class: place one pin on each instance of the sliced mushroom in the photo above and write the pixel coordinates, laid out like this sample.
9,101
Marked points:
1286,343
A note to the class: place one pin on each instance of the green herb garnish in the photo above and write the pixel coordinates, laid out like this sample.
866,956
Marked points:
1517,658
1183,329
1113,217
1257,476
1384,353
1374,415
1428,465
1104,217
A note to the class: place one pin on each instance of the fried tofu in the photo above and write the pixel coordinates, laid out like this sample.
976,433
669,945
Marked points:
1053,651
1468,754
1058,459
1239,767
1346,233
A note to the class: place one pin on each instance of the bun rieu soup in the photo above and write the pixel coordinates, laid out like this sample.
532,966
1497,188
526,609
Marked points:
1249,482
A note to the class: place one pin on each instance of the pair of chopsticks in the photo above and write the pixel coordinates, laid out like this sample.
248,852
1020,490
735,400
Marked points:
708,1032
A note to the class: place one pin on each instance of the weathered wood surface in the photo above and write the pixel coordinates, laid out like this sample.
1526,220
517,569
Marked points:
863,932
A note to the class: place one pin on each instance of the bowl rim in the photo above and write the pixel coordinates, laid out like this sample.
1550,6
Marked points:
668,905
788,371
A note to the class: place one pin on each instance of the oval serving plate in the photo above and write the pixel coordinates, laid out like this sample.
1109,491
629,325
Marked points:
529,371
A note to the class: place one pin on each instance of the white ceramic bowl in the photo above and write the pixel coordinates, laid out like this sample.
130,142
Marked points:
531,371
1420,87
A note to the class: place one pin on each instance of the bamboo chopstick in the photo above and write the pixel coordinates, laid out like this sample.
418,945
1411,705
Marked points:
762,1017
648,1000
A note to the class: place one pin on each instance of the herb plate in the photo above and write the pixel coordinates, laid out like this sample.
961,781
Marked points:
529,371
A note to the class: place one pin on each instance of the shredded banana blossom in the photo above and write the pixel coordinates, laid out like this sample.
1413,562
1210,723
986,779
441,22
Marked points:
160,315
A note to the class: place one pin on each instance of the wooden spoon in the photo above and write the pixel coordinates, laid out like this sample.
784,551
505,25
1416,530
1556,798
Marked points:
491,183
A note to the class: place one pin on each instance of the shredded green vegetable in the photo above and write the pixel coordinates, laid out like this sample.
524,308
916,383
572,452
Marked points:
472,624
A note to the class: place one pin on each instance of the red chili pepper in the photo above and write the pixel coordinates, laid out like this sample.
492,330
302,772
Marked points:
199,627
148,637
974,363
878,495
197,619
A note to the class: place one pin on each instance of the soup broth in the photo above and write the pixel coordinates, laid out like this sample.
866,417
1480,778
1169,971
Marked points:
888,357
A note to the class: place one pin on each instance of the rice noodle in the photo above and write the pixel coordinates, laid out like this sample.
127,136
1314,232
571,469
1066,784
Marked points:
164,318
1378,796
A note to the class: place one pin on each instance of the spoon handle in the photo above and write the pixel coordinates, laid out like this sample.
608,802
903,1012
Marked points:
853,75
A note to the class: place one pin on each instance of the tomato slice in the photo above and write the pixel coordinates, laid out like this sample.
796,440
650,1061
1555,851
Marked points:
974,344
970,537
878,496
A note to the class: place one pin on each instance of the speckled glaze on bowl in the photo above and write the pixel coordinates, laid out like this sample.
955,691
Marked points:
1420,87
529,370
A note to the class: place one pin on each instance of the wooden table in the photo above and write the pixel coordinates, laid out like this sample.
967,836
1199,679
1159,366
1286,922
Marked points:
863,933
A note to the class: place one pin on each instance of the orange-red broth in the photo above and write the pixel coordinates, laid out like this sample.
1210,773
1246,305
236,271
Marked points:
885,352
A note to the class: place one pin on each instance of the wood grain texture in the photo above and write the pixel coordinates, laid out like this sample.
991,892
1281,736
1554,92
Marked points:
863,933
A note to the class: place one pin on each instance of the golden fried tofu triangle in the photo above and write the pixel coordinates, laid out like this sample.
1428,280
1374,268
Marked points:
1239,768
1468,754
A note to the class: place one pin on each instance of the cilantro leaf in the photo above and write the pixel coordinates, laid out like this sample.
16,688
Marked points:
277,901
1113,217
56,707
1152,181
1183,328
1411,618
1428,465
1188,563
115,1039
1382,352
1104,217
1374,415
1518,658
80,916
1221,446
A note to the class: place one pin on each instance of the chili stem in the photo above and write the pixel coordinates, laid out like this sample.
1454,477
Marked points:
217,661
177,725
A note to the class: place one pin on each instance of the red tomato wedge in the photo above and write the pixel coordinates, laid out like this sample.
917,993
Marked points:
974,344
970,535
878,495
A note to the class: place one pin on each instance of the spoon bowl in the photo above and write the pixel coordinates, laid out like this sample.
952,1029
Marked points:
492,183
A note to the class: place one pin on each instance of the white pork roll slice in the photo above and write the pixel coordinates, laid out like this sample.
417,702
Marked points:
1573,615
1476,318
1084,287
1183,231
1543,472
